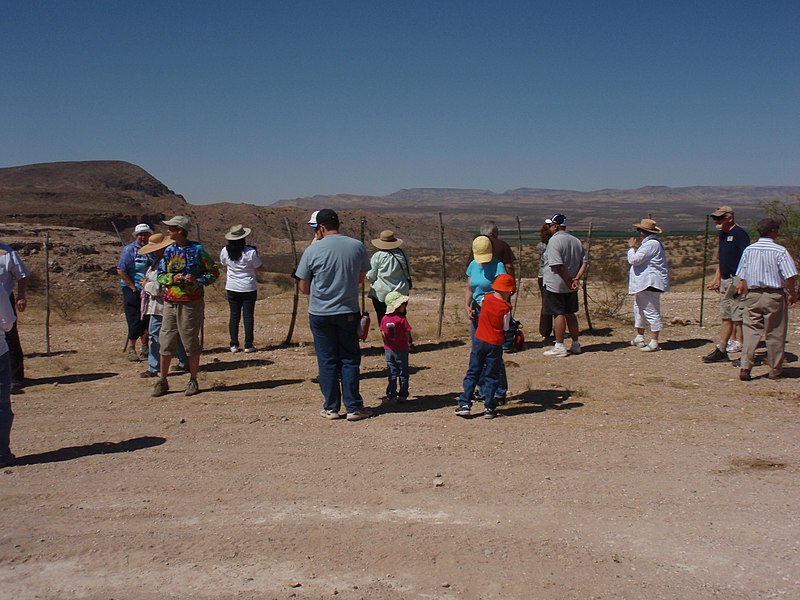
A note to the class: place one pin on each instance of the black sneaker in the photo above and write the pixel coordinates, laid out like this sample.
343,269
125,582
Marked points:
716,356
463,410
489,413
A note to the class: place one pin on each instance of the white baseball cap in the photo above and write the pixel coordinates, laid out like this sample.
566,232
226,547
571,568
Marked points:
142,228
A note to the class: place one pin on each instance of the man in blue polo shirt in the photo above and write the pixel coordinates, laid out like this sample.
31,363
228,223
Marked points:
330,271
732,242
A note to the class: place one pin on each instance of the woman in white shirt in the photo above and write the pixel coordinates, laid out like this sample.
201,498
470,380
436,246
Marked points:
241,261
648,278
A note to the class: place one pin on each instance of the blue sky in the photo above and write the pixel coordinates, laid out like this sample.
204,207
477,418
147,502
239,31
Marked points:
260,101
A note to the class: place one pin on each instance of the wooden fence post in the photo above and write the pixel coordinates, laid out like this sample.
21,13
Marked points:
519,262
586,277
442,279
703,280
296,287
363,283
47,292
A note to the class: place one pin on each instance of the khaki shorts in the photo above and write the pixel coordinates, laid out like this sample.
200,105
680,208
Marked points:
184,320
731,306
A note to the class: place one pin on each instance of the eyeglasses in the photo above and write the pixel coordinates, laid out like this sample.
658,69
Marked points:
722,218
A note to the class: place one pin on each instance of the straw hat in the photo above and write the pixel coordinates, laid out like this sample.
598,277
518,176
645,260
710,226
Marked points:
157,242
238,232
648,225
393,301
387,241
503,283
482,249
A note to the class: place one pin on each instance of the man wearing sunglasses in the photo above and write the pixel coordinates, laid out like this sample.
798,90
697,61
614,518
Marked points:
732,242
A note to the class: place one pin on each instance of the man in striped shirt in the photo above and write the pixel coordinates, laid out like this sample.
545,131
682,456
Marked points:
767,274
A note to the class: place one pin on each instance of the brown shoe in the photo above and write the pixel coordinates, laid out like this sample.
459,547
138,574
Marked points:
775,375
132,356
160,388
192,388
744,375
716,356
146,374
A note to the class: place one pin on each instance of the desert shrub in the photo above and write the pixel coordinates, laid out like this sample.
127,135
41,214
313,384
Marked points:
789,215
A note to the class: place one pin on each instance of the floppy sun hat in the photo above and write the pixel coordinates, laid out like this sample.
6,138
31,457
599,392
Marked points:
387,241
238,232
157,242
394,300
482,249
648,225
503,283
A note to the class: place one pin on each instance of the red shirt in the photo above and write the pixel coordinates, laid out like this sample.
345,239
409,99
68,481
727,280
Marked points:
493,321
399,339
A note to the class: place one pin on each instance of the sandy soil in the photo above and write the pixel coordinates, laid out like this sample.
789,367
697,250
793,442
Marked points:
613,474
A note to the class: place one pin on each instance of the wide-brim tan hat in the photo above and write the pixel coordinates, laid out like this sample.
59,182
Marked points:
648,225
238,232
387,241
157,242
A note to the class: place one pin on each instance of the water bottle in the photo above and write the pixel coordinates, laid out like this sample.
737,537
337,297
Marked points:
363,327
390,331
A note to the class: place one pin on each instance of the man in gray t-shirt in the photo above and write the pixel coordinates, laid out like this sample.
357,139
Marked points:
566,265
330,271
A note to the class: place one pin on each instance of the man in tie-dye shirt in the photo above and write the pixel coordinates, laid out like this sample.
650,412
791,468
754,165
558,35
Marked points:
183,271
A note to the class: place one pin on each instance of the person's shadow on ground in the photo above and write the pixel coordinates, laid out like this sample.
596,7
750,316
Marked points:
73,452
266,384
67,379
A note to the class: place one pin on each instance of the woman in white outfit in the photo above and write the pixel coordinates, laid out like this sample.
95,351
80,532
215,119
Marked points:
240,261
648,278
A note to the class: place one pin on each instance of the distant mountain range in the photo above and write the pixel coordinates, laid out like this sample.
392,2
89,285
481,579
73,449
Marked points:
682,208
93,194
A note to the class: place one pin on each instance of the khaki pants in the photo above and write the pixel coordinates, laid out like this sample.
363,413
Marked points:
766,313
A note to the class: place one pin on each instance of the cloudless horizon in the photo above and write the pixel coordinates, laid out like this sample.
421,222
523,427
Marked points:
261,101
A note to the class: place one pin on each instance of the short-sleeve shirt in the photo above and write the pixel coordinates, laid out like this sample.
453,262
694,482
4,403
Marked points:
11,269
134,264
398,340
189,259
502,251
731,245
333,266
241,274
481,277
562,249
492,322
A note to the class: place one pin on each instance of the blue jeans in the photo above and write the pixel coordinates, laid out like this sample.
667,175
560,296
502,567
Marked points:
485,361
502,389
241,304
338,360
397,364
6,414
153,329
131,302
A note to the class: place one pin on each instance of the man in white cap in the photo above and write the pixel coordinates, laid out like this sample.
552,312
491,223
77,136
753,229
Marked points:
131,269
566,264
331,272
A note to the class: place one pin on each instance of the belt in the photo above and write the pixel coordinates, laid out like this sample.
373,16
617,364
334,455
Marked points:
765,289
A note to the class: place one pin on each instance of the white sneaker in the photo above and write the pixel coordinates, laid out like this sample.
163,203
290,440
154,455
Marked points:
575,348
250,350
361,413
235,349
651,347
556,352
638,341
733,346
330,414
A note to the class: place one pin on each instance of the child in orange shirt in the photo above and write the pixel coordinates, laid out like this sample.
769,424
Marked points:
487,349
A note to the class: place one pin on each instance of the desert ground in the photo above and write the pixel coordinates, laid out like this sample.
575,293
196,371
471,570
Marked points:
611,474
